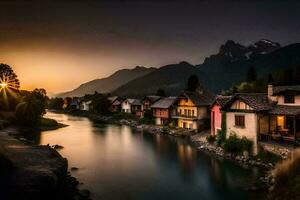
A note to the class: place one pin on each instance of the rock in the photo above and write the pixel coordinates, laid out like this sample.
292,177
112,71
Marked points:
57,147
74,168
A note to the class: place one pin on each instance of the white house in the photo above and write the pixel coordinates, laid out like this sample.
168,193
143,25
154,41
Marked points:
132,106
86,105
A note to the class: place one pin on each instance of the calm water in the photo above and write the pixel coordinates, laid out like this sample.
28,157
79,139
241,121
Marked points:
117,163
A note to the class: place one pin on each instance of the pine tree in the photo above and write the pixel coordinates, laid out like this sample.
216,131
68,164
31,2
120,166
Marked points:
251,74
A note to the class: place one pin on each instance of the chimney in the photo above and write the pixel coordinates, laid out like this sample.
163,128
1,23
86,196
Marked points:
270,90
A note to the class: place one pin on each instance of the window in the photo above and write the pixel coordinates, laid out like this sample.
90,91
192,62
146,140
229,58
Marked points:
240,120
289,99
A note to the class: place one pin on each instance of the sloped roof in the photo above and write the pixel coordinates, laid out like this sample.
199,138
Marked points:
285,110
281,89
221,100
136,102
164,103
112,99
152,98
116,103
198,98
257,101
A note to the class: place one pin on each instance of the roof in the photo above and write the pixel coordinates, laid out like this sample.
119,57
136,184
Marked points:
285,110
221,100
116,103
152,98
281,89
134,101
198,98
164,103
112,99
257,101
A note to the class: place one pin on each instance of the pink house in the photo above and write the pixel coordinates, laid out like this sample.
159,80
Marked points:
216,114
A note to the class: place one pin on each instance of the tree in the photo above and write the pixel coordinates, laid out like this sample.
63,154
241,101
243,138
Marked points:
161,92
9,88
56,103
251,74
100,104
32,107
193,83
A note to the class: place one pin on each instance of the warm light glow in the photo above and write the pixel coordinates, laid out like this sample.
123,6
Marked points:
3,85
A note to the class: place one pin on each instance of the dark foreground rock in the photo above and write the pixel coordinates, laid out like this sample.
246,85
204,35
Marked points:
37,172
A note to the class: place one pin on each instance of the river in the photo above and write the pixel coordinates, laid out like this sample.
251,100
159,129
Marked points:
117,163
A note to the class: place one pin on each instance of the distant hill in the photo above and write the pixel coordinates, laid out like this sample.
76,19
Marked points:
218,72
109,83
171,78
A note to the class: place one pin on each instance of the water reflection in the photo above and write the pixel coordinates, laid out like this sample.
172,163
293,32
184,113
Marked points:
117,163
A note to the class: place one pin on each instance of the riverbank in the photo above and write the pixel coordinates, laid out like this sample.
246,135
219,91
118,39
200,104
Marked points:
265,161
35,171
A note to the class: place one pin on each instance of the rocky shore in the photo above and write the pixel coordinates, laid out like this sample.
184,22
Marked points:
36,172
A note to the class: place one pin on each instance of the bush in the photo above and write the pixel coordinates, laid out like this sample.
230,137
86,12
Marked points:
246,144
211,139
233,144
146,121
221,137
268,156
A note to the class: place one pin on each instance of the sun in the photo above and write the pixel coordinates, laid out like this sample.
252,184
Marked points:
3,85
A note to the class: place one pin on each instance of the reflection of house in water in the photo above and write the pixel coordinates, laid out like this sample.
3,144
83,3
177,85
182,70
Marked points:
187,156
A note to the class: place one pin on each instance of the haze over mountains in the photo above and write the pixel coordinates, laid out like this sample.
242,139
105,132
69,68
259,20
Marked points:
218,72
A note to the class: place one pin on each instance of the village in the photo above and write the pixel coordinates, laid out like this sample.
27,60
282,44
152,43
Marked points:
271,117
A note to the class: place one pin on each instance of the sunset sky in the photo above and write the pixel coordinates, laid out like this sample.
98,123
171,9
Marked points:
59,44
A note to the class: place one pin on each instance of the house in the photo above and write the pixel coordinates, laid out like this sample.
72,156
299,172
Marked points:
216,113
147,101
163,110
86,105
115,102
193,109
133,106
265,116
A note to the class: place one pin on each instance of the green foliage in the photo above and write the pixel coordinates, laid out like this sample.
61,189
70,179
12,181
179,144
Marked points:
221,137
233,144
258,86
144,120
246,144
148,114
32,107
100,104
268,157
211,139
56,103
223,123
3,124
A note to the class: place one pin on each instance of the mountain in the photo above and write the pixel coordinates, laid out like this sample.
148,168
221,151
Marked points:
172,78
219,71
109,83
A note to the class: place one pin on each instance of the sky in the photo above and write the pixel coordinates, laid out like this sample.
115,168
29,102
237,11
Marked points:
59,44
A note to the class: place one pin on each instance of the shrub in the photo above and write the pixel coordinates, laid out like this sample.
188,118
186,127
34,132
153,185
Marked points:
221,137
268,156
233,144
211,139
146,121
246,144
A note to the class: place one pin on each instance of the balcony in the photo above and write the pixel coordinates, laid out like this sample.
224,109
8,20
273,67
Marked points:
183,116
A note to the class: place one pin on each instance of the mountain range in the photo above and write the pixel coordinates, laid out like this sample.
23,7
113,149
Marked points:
218,72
